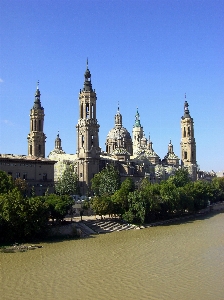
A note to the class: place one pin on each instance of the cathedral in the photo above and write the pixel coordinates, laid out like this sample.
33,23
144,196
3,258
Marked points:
133,156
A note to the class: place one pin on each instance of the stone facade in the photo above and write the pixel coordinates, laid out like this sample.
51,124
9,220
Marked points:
37,171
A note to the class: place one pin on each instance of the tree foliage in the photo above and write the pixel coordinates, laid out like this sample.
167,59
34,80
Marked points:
22,217
22,186
180,178
120,197
102,205
6,182
58,206
136,208
106,182
68,183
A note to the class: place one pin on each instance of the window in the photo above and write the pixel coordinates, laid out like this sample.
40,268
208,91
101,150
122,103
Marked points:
87,110
184,132
189,131
91,140
44,176
17,175
25,176
82,111
185,154
80,175
92,112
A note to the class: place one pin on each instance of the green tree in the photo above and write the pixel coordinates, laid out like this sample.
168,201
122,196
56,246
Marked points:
58,206
169,197
120,197
106,182
180,178
22,217
102,205
68,183
137,208
202,192
186,200
218,184
151,194
6,182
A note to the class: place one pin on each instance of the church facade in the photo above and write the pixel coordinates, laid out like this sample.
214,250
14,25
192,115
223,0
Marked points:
133,156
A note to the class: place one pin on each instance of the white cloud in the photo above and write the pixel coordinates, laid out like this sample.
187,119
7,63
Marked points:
7,122
1,80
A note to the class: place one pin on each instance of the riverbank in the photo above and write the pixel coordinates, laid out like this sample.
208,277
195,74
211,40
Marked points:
96,224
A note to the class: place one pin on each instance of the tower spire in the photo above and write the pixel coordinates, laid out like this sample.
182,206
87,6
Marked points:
188,144
87,83
36,137
137,119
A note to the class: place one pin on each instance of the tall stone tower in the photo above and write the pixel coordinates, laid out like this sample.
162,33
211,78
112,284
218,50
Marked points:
88,150
137,133
188,144
36,138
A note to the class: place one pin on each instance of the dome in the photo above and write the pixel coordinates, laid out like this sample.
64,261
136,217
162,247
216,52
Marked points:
116,133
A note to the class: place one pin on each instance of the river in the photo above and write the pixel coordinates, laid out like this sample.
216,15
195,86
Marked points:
176,261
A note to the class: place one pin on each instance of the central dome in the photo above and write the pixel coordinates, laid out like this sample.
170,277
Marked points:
118,137
116,133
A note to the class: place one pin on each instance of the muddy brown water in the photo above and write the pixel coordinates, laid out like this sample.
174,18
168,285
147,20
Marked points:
178,261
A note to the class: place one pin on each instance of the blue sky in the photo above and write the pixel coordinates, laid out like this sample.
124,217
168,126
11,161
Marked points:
144,54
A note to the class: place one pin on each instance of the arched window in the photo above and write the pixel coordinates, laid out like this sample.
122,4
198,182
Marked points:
189,131
92,116
184,132
82,111
87,110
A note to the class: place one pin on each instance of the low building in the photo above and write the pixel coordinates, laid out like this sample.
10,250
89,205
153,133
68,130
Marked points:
37,171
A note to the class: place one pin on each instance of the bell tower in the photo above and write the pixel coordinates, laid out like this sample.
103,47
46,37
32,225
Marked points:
188,144
137,133
88,150
36,138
